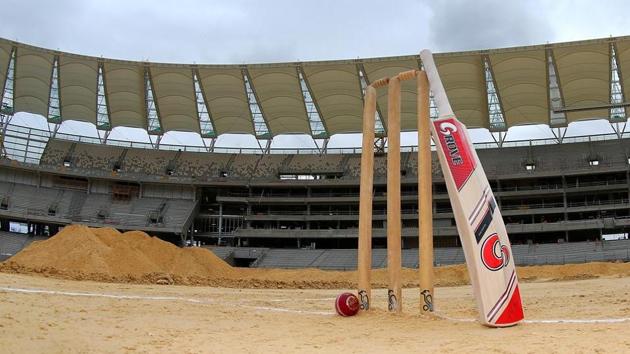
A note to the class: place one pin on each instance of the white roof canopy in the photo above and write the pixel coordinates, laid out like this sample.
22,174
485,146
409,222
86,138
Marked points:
520,74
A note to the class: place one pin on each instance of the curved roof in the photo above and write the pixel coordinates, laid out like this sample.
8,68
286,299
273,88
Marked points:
286,98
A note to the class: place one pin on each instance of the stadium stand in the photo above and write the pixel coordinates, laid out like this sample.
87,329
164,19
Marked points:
346,259
559,197
11,243
315,164
95,209
269,166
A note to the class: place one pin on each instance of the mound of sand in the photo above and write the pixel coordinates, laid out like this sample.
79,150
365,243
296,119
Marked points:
81,253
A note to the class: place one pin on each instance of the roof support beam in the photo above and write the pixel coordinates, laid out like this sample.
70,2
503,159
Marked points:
619,128
53,128
204,116
261,126
152,110
499,137
209,144
316,123
155,140
54,101
265,150
559,133
380,127
324,145
379,144
5,120
557,118
6,97
102,108
103,135
496,115
616,114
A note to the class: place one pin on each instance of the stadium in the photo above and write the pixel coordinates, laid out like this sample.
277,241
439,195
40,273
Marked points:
560,196
564,198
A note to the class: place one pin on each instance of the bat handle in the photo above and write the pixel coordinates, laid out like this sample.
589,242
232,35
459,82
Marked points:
439,94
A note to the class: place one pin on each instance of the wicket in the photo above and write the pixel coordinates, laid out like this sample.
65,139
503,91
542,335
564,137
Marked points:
394,292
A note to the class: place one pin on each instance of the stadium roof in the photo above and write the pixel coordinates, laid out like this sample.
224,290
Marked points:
553,84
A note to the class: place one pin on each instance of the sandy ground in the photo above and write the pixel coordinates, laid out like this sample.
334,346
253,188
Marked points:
72,316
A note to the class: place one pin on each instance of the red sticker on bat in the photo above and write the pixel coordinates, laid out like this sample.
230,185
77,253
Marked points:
457,149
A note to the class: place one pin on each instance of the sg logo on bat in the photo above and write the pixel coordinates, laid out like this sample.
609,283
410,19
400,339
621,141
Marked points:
494,255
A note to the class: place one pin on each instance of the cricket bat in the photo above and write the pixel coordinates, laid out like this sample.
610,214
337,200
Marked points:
479,223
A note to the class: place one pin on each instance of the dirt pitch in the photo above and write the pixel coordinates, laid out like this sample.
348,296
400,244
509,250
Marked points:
94,290
49,315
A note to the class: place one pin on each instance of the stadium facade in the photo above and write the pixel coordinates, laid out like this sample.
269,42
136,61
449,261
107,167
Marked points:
561,190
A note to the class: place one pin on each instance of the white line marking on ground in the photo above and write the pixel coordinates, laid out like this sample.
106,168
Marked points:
287,300
280,309
167,298
277,309
445,317
597,320
552,321
111,296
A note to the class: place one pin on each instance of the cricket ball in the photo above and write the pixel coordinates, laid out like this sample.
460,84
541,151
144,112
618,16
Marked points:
347,304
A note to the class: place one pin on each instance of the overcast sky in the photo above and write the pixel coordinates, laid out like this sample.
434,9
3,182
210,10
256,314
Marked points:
241,31
238,31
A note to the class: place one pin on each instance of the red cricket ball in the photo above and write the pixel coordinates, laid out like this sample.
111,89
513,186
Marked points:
347,304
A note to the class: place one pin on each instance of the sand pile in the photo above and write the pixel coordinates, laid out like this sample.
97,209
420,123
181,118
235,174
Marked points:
81,253
105,254
574,271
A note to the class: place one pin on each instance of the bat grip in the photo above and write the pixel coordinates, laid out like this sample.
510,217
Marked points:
439,94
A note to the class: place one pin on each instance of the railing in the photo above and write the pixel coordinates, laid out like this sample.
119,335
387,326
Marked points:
557,186
584,257
530,188
36,139
31,209
598,203
326,212
345,259
596,183
276,194
623,202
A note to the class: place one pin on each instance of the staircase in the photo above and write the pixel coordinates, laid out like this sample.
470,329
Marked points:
156,216
257,261
405,161
284,166
76,205
343,164
229,163
53,208
118,164
172,164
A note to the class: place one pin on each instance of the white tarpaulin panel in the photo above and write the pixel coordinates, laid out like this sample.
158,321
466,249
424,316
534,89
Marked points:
78,79
124,83
33,72
521,81
173,90
281,100
225,92
465,84
584,75
337,90
5,57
